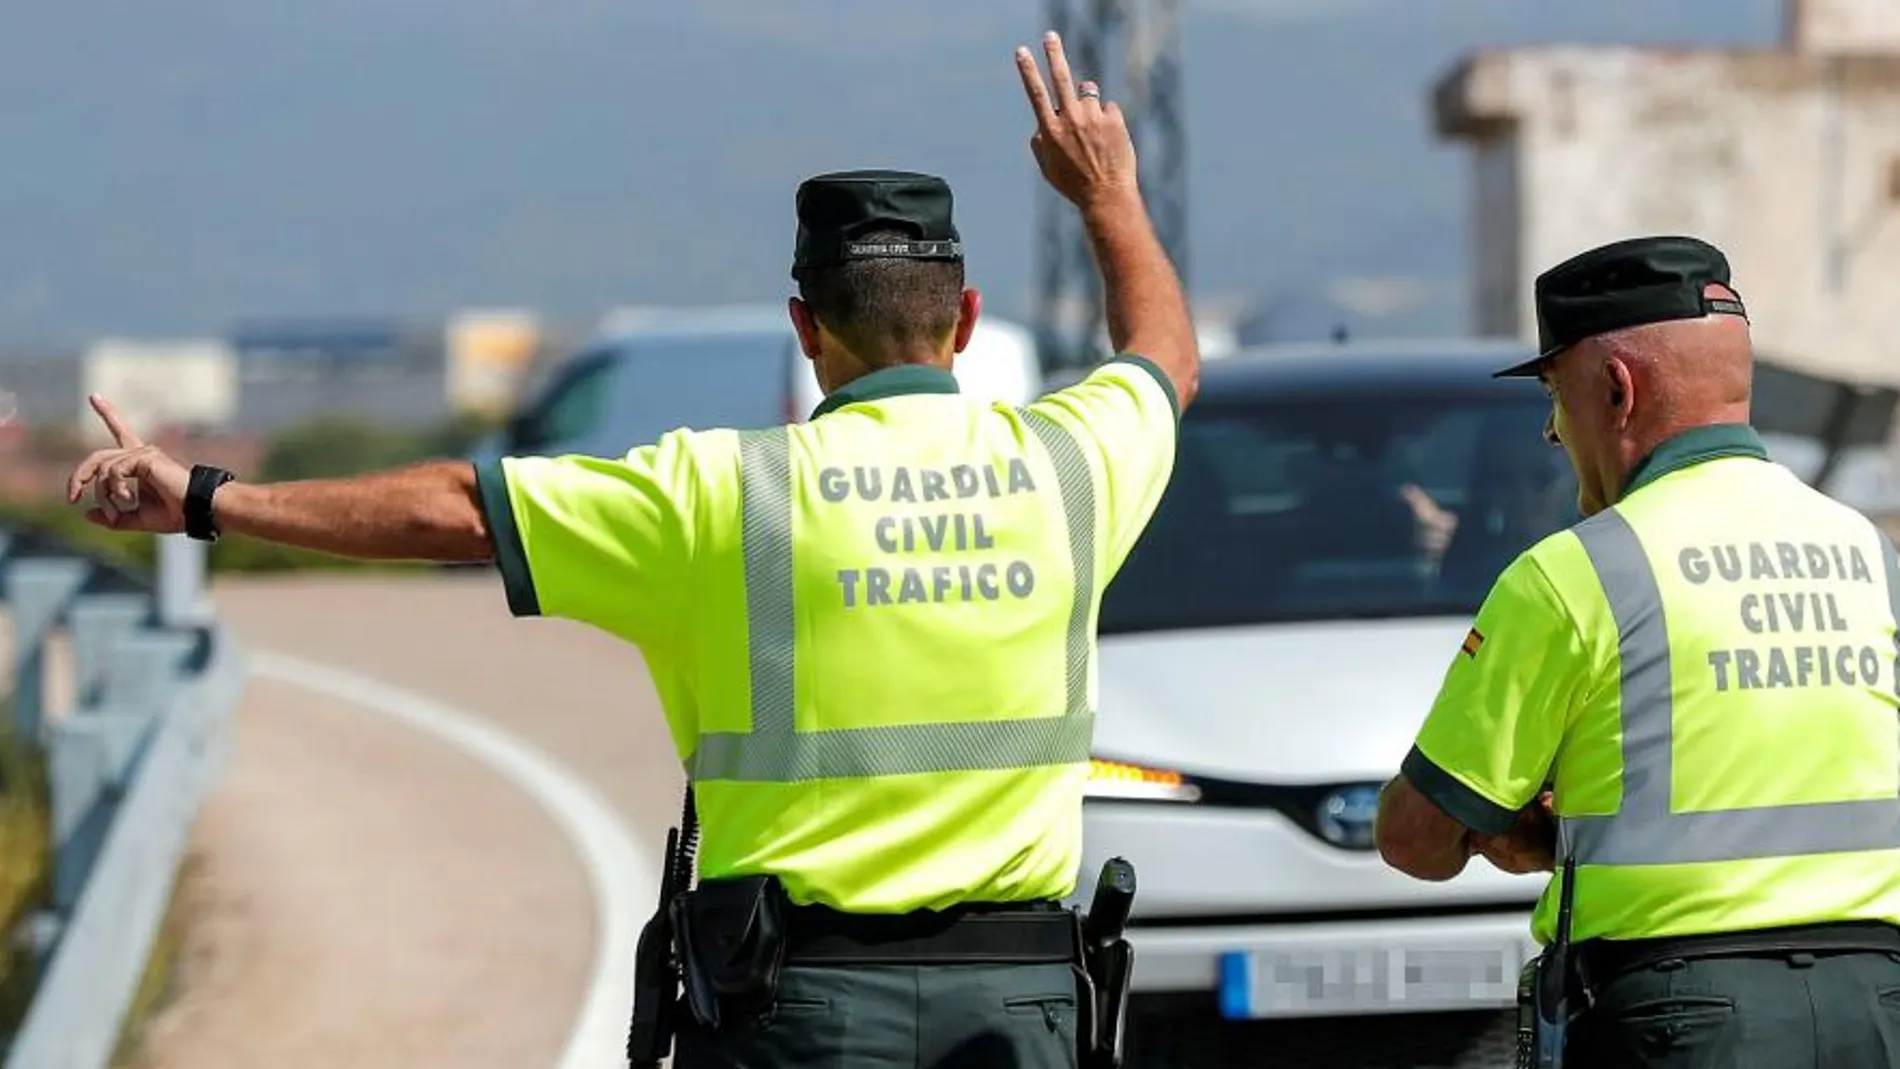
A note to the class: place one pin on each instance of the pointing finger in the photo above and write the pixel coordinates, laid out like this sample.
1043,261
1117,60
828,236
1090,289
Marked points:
1059,68
1033,86
115,423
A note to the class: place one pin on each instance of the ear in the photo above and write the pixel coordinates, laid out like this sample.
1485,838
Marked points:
810,338
968,310
1620,387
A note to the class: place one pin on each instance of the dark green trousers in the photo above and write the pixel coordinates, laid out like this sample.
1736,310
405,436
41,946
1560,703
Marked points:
902,1017
1837,1011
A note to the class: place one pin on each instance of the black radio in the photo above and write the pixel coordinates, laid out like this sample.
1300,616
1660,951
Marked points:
1547,1002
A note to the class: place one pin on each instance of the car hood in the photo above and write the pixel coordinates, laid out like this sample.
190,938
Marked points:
1273,703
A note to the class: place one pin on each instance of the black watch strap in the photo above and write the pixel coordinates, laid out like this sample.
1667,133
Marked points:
205,481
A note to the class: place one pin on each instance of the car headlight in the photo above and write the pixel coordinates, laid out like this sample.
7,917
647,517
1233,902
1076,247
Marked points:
1118,779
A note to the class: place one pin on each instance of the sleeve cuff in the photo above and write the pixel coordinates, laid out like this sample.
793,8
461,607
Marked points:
1459,802
1160,376
510,555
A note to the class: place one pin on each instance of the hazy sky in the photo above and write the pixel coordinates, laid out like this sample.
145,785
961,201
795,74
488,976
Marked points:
171,166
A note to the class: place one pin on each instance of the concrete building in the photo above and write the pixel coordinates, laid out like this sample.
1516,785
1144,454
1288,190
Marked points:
1787,158
488,353
1842,25
381,370
188,384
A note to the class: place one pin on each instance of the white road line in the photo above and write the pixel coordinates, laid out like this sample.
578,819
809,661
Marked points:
620,873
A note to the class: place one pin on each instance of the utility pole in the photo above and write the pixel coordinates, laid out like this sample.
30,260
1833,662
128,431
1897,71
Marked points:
1145,79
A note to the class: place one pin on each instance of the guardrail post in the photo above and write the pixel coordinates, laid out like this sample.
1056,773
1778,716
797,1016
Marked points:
91,750
128,767
38,592
97,624
181,582
141,669
87,761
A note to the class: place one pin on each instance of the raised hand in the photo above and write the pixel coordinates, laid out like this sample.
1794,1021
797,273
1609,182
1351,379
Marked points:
132,486
1081,144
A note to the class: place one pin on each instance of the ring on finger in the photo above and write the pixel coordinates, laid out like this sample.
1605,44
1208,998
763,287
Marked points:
1088,92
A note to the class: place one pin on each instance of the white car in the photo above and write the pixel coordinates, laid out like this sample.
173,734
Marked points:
1268,653
651,370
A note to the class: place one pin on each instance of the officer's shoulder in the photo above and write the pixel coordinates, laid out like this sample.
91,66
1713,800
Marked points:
701,439
717,447
1819,503
690,450
1556,563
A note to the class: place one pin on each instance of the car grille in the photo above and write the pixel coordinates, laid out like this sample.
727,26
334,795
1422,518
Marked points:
1299,804
1179,1031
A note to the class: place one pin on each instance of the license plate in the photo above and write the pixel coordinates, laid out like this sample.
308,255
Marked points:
1310,982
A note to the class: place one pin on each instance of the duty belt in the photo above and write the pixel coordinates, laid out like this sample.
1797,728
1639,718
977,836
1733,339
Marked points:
1604,959
1020,934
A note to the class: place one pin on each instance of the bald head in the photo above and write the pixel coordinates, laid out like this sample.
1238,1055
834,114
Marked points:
1684,372
1620,394
1638,340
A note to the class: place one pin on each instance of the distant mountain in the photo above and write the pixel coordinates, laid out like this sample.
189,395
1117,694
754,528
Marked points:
173,167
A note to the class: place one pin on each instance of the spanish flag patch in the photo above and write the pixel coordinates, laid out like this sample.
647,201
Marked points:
1473,639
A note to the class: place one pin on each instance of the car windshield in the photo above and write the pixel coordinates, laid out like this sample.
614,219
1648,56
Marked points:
1342,508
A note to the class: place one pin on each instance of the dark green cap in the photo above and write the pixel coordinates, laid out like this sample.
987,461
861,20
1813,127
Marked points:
1626,284
835,210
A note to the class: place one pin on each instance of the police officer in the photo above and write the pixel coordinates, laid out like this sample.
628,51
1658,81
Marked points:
872,633
1701,674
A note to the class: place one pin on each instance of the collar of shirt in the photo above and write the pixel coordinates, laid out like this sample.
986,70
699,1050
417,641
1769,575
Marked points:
889,382
1694,446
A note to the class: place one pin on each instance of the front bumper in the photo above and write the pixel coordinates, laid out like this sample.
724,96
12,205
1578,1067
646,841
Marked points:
1226,889
1407,965
1194,860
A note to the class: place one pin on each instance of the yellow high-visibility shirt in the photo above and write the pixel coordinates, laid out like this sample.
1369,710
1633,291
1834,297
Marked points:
872,633
1705,673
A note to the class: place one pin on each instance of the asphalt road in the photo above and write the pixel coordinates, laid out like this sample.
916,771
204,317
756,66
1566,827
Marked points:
367,891
384,882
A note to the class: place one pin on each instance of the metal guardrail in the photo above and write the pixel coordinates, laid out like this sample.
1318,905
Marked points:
154,679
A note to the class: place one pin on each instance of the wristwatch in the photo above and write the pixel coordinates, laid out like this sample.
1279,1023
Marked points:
204,482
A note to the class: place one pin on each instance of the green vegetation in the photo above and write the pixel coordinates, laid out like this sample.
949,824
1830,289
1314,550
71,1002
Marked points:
330,446
68,524
24,858
321,448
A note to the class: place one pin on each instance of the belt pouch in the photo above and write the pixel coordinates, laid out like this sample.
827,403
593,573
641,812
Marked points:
732,948
1088,1025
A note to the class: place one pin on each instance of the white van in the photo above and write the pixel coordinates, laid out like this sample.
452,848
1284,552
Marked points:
653,370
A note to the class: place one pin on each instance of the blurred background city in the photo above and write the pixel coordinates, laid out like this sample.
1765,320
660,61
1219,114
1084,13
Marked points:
238,223
311,239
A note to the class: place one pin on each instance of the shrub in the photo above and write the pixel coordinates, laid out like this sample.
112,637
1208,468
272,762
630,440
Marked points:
330,446
325,447
24,860
68,524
